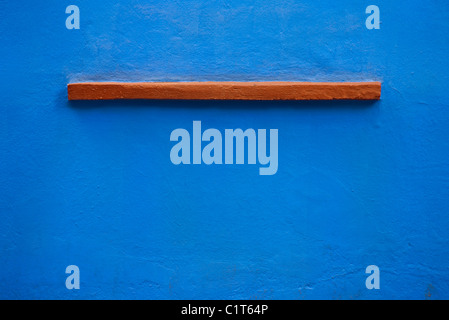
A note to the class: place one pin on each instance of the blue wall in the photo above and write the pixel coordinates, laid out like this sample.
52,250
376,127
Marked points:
91,183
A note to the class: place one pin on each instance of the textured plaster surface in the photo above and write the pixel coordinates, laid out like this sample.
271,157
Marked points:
90,183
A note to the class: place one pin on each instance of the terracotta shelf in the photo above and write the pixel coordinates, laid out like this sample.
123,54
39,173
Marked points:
225,90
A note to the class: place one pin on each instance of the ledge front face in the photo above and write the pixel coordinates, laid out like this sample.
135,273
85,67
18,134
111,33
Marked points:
225,90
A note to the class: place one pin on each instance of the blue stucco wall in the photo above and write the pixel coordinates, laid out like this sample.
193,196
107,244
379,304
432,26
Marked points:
91,183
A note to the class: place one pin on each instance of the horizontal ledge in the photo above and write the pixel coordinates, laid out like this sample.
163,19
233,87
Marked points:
225,90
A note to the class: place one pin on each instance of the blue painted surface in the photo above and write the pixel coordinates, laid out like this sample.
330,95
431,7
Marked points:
91,183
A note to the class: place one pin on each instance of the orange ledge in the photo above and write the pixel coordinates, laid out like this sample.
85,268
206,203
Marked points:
225,90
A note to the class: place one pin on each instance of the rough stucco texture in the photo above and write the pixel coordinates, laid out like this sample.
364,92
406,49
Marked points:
90,183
